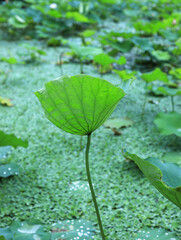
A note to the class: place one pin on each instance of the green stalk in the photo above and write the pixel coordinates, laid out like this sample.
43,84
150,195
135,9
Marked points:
145,100
91,186
172,101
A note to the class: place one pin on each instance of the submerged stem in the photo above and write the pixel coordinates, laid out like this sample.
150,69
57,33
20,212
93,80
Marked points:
91,186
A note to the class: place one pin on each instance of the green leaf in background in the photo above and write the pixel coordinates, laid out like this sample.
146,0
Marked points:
77,17
83,52
121,60
178,43
166,91
117,123
125,74
10,60
155,233
12,140
7,170
166,177
17,22
103,59
87,33
79,104
172,157
143,43
73,229
169,123
156,75
161,55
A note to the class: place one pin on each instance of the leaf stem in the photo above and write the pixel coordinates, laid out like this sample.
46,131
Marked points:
91,186
172,101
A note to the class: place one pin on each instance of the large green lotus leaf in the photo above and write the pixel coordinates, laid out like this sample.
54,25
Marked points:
11,140
169,123
156,75
155,233
79,104
7,170
73,229
166,177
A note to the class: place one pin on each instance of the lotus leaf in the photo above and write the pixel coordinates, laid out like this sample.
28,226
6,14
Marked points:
79,104
29,230
155,233
166,91
156,75
7,170
161,55
166,177
73,229
169,123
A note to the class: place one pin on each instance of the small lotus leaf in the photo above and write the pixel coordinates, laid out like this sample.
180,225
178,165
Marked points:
84,53
156,75
73,229
161,55
143,43
7,170
165,91
103,59
117,123
79,104
166,177
155,233
11,140
169,123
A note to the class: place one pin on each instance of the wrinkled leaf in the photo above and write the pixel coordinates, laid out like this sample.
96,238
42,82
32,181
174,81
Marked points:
156,75
155,233
11,140
166,177
73,229
7,170
79,104
169,123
